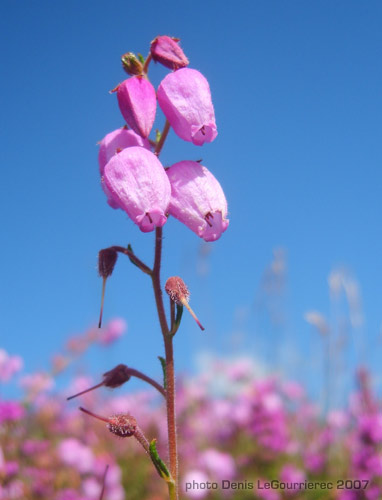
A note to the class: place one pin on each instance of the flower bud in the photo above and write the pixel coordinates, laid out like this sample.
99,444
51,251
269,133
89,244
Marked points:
131,64
137,103
185,99
139,185
178,293
166,50
112,144
197,199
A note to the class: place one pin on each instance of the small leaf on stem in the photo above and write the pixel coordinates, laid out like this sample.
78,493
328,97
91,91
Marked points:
163,363
160,466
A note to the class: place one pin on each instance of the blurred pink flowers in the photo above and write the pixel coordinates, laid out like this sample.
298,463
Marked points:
9,365
185,98
112,331
73,452
197,199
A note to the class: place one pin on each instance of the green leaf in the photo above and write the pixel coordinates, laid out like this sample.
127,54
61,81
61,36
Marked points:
160,466
141,58
163,363
130,248
178,316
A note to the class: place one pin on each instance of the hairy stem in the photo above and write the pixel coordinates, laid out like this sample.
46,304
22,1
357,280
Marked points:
170,372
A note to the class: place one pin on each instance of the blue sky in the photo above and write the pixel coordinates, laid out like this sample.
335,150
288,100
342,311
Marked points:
297,94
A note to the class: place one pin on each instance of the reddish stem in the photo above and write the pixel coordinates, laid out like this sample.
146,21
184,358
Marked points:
103,419
104,482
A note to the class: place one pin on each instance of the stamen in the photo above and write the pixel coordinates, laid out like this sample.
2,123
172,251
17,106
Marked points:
150,219
206,218
203,130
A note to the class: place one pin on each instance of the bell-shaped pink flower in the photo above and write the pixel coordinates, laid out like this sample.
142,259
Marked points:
197,200
138,184
166,50
137,102
114,143
185,98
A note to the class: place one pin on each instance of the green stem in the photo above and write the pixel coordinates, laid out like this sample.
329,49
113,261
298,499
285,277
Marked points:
166,130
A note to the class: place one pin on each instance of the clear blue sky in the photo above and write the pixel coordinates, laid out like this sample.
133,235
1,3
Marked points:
297,92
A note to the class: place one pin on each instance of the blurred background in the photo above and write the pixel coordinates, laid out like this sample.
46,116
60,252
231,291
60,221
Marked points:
293,287
296,89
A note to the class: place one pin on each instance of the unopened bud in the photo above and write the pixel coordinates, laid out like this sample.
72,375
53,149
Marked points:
131,64
178,292
166,50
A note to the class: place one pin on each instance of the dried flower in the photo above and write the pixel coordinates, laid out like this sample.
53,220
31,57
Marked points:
178,293
121,424
106,262
197,199
184,97
139,185
137,102
166,50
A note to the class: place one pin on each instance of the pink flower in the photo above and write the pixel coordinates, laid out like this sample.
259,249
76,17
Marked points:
37,382
72,452
166,51
219,465
137,103
197,200
185,98
9,365
114,143
138,183
194,484
11,411
114,329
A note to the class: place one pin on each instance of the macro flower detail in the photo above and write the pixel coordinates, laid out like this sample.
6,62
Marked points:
112,144
138,184
197,199
137,103
185,98
166,50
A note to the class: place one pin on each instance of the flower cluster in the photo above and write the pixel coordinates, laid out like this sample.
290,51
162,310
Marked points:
132,176
264,429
